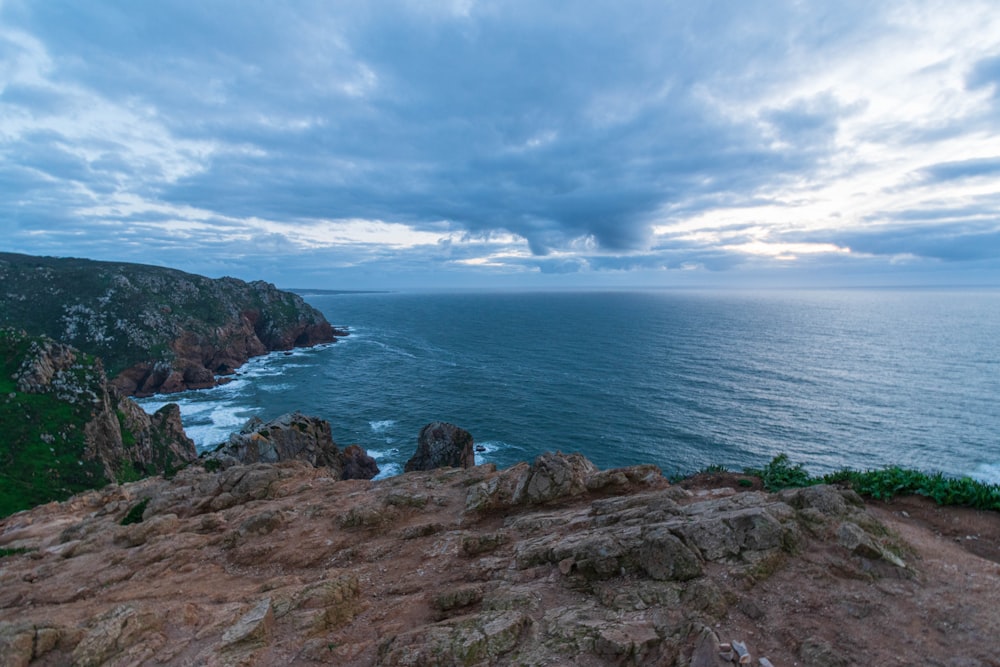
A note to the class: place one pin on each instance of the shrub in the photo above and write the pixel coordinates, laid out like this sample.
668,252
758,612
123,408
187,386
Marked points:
885,483
134,515
781,473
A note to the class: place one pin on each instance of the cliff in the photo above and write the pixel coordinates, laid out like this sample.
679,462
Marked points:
66,429
156,329
548,563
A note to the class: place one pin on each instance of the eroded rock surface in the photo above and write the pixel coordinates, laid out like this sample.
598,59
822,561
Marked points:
285,564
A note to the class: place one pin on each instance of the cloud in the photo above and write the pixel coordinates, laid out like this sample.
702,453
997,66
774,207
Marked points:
502,138
986,74
948,171
949,243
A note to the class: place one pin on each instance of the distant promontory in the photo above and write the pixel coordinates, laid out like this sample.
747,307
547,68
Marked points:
158,330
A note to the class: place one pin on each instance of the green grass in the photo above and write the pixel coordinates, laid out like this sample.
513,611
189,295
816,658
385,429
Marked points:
128,473
41,452
885,483
128,438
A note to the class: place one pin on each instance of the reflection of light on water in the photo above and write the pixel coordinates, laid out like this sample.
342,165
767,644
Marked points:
987,472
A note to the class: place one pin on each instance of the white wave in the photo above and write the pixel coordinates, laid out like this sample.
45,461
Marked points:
207,436
382,426
487,447
230,416
393,350
278,387
382,453
389,470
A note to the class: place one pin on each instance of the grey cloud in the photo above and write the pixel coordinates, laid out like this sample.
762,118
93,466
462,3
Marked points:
447,131
985,73
950,243
948,171
558,122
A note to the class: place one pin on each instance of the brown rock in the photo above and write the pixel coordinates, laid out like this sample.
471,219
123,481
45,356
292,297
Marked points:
297,567
357,464
254,626
294,437
557,475
442,445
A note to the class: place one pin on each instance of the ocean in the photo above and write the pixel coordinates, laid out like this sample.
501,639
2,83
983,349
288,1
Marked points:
682,379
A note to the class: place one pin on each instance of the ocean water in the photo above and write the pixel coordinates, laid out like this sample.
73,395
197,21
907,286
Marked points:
682,379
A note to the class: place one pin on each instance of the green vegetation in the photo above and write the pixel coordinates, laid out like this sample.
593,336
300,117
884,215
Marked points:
41,451
128,473
128,438
134,514
4,552
885,483
780,473
133,313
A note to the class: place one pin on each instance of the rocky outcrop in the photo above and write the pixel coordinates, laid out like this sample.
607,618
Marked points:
357,464
67,430
293,437
156,329
442,445
283,564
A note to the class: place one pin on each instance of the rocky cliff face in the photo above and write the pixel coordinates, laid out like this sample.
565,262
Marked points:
66,429
548,563
156,329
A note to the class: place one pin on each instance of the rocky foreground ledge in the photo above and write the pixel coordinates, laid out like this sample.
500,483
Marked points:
552,563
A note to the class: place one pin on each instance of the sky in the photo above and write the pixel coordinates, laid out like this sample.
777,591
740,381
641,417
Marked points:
470,143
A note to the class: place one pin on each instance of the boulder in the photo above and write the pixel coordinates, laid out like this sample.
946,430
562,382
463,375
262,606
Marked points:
357,464
552,476
442,445
556,476
294,437
290,437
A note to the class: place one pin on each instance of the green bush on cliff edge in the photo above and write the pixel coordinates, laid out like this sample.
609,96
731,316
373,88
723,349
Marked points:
885,483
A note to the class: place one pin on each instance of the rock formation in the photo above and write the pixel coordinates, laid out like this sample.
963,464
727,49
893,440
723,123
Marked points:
442,445
67,430
549,563
294,437
156,329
